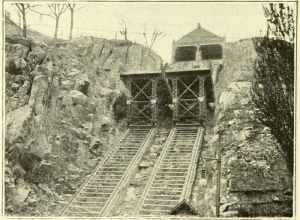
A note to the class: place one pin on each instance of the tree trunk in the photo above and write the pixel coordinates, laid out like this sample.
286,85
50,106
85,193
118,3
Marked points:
125,35
19,19
24,26
24,21
56,27
71,24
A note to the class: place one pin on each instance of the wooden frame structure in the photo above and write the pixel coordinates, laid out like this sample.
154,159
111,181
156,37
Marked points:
142,100
188,97
187,88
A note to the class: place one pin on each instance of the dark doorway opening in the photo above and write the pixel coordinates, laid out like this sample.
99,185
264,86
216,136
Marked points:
164,100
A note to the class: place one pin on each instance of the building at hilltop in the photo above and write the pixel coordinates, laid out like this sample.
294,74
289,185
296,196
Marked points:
190,78
198,45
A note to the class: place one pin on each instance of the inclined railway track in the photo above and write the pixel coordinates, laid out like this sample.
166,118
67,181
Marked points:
100,190
174,172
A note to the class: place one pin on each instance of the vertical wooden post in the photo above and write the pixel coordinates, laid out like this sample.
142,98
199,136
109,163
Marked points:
201,98
175,99
129,99
154,101
173,51
218,189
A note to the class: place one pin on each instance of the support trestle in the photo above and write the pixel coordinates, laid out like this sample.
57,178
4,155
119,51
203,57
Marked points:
142,101
188,99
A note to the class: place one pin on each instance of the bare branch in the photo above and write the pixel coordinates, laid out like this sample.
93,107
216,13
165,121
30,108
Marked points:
57,10
155,36
18,5
40,13
124,30
52,9
62,9
71,6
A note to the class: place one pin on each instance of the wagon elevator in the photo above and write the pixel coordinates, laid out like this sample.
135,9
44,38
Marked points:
189,81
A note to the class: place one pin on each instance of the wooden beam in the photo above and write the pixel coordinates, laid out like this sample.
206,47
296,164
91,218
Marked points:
188,87
141,90
154,100
165,79
129,99
175,99
141,111
202,98
188,109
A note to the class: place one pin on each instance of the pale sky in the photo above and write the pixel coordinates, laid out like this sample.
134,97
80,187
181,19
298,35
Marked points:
232,20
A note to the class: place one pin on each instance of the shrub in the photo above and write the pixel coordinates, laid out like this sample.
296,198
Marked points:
273,86
273,92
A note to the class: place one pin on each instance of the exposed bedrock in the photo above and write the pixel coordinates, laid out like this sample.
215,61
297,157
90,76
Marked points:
255,180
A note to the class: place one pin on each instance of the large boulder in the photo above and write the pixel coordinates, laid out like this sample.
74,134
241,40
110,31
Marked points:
77,97
21,192
16,124
130,194
82,83
227,99
67,84
240,87
236,94
16,50
15,66
36,56
38,93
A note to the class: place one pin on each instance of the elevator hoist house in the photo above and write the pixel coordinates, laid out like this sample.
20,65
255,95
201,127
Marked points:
189,79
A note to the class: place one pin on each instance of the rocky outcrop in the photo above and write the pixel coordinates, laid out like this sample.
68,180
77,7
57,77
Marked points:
255,180
16,124
60,114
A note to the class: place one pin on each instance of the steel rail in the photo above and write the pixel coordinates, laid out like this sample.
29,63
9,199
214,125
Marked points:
155,168
128,172
137,138
191,174
99,166
171,182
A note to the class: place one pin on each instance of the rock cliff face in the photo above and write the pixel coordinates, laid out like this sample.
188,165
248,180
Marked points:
255,180
64,110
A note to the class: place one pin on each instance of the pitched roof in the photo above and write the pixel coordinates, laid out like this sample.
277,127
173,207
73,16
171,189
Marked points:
183,207
200,35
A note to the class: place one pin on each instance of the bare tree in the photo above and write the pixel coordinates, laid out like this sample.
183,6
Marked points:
124,30
19,19
150,40
153,38
71,8
23,9
56,10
